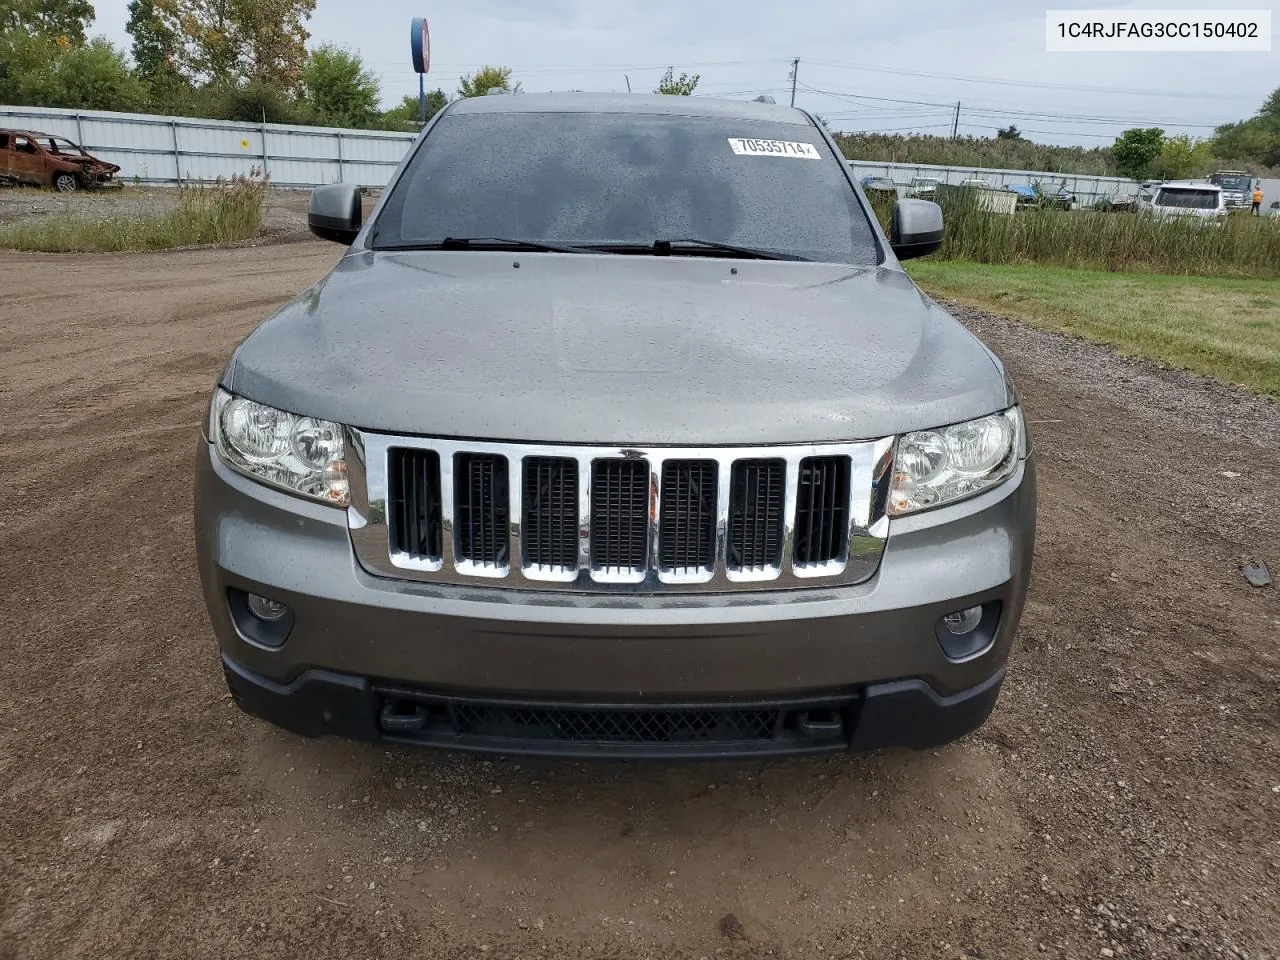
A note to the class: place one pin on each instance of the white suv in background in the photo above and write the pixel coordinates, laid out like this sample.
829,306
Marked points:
1185,198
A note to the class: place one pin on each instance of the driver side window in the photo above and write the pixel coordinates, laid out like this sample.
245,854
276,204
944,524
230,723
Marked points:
24,145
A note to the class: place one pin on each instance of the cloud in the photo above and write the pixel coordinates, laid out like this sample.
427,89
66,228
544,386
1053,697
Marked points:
743,47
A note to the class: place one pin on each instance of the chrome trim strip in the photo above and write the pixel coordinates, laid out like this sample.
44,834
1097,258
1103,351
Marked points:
870,464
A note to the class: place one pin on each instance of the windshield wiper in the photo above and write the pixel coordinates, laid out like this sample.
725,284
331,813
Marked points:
478,243
665,248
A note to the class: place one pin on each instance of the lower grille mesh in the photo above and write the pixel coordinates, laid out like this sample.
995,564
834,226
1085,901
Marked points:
615,726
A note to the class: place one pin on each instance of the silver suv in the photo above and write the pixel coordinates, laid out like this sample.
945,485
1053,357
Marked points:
618,431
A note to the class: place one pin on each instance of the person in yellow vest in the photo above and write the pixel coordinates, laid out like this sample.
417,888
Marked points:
1257,200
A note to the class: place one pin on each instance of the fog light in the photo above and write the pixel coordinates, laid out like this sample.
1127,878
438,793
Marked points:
266,609
963,621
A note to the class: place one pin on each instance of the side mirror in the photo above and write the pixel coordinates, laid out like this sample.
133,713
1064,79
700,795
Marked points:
334,212
917,228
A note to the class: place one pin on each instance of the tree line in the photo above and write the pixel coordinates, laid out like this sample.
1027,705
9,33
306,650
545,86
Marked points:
242,60
248,60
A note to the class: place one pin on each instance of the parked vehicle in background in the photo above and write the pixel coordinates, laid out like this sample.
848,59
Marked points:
1036,196
551,478
1236,186
1116,203
1186,198
923,188
35,159
879,185
978,183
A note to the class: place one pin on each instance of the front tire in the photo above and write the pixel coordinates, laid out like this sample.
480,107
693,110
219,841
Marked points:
65,182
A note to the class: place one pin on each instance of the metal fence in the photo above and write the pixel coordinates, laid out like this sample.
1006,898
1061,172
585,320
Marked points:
153,149
1086,189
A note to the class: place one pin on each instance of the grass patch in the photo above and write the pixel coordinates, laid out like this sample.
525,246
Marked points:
1240,246
1221,328
224,212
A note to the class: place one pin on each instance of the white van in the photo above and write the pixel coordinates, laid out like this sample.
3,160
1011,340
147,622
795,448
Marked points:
1184,198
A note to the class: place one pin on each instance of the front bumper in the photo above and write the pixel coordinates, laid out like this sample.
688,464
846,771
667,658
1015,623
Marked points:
906,713
868,654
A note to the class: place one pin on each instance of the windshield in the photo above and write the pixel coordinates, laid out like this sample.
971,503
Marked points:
1188,199
590,179
62,146
1233,183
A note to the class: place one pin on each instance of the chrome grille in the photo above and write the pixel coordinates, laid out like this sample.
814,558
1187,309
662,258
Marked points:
415,506
482,509
609,519
687,529
550,497
822,504
755,515
620,518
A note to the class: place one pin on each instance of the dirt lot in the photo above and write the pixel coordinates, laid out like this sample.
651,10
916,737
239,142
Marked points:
1124,800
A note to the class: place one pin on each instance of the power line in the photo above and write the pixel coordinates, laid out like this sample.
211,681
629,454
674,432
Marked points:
999,81
1030,114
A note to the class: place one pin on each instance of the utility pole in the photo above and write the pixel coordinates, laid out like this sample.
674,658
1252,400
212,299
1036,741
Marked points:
795,72
955,123
628,79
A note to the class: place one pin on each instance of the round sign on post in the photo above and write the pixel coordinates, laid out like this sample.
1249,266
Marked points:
420,44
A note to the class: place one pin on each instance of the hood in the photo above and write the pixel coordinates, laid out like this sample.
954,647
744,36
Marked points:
617,350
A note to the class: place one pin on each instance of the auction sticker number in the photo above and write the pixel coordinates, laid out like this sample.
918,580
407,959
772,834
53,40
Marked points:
745,147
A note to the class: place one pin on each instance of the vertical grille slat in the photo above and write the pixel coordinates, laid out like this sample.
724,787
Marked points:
414,523
550,512
619,515
822,510
687,526
482,508
756,502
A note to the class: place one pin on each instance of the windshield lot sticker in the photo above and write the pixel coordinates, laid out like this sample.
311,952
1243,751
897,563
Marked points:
744,147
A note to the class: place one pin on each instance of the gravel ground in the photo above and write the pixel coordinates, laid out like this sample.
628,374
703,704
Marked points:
1124,799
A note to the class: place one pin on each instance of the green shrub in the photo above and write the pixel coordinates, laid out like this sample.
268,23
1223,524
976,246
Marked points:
224,212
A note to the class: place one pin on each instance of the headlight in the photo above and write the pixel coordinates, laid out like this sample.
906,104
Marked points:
299,454
935,467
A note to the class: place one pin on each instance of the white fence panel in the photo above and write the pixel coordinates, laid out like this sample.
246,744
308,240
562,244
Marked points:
153,149
1086,188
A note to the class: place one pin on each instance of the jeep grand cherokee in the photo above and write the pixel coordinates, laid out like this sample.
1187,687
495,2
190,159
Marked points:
618,430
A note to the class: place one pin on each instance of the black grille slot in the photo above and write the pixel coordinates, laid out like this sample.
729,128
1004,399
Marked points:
550,518
756,499
615,726
822,510
414,501
619,515
482,508
687,530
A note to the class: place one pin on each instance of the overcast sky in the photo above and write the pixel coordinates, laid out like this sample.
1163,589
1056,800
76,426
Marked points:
857,58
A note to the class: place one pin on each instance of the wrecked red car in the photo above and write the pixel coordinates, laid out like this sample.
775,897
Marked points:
44,160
